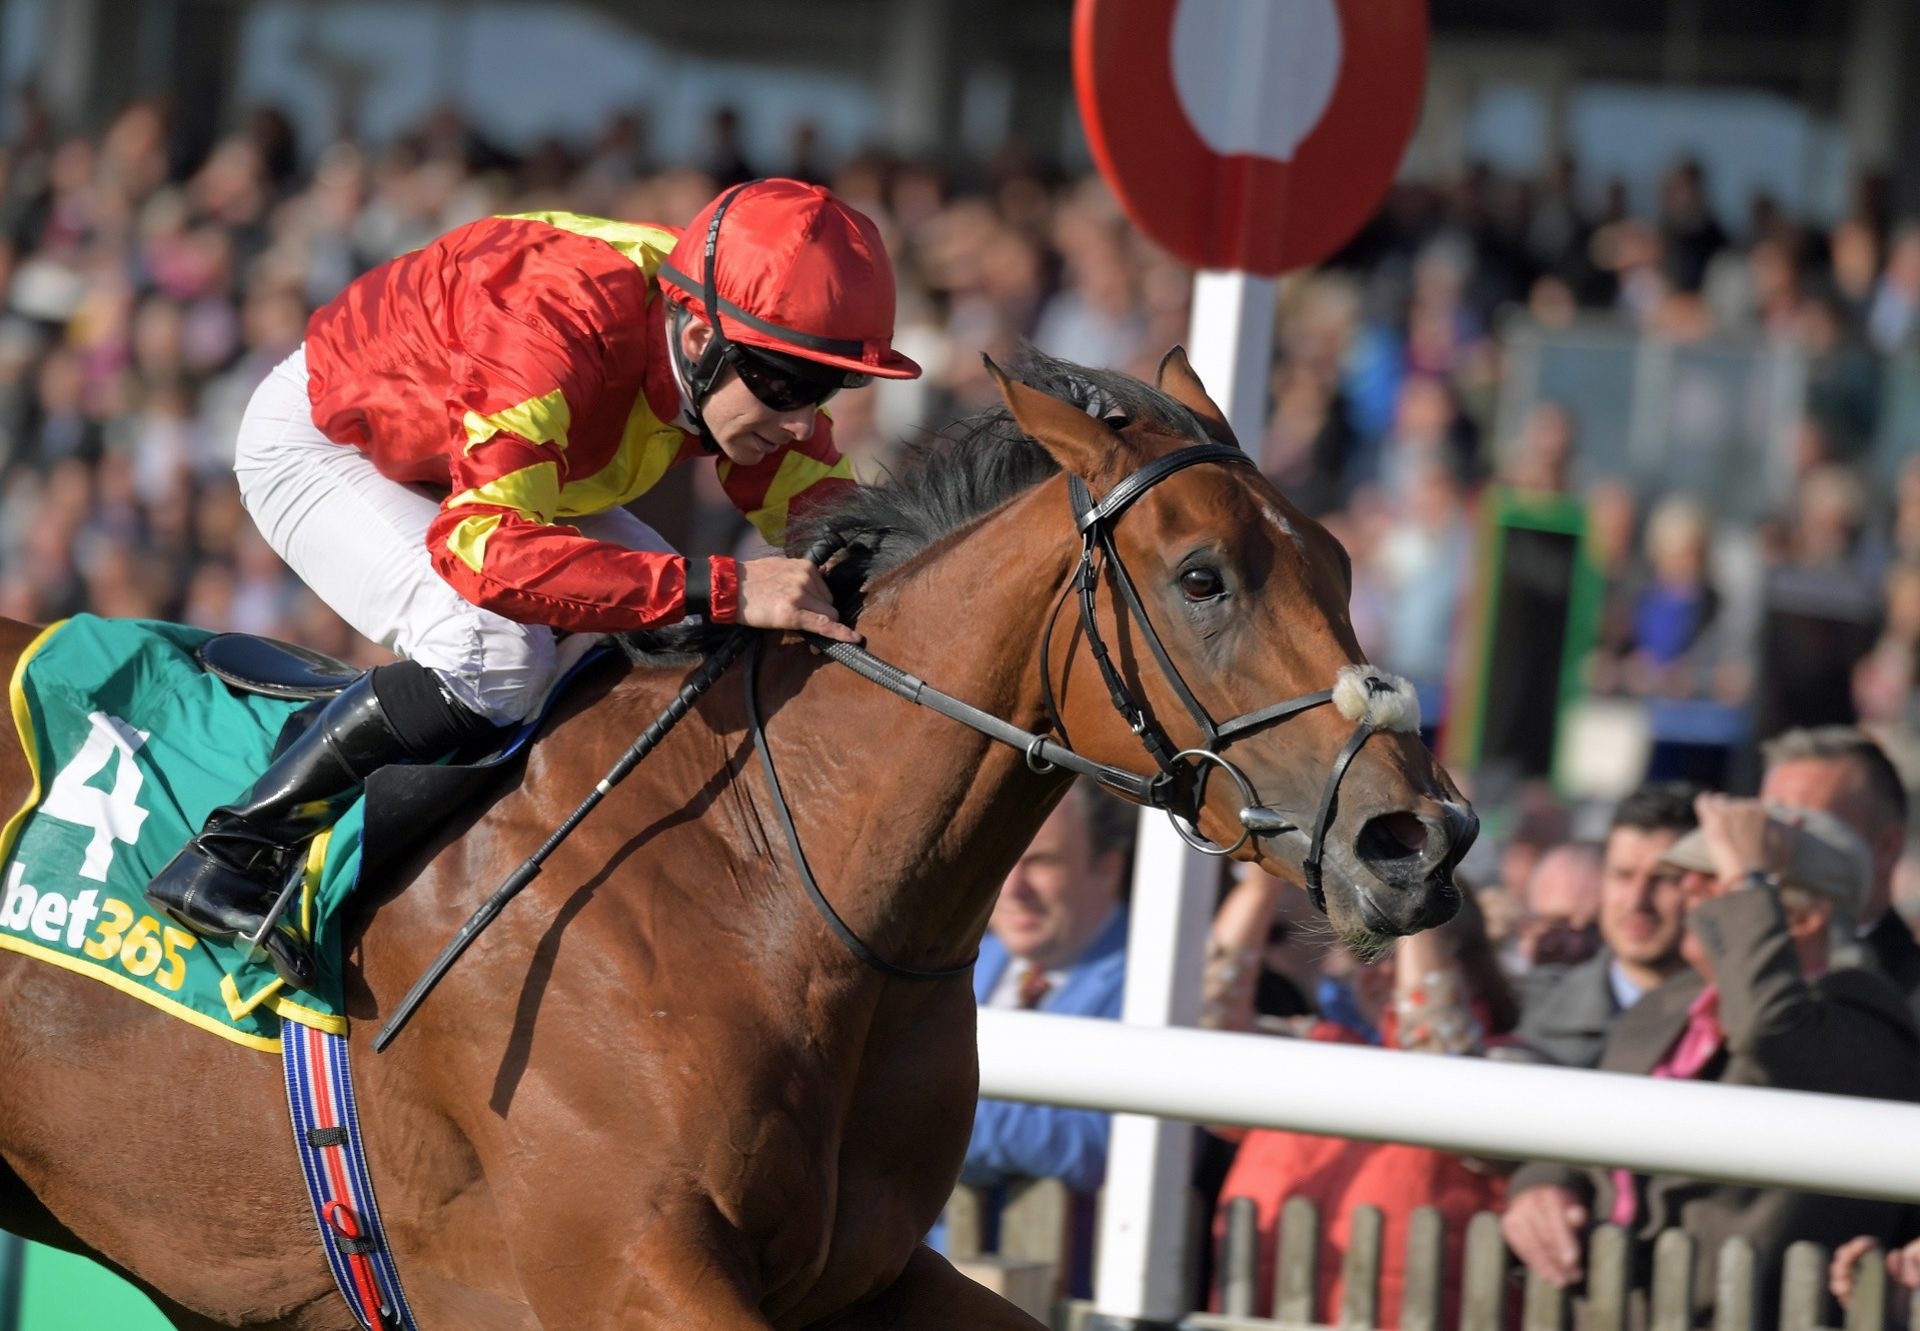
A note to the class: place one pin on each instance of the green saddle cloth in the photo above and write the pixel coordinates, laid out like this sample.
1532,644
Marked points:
132,744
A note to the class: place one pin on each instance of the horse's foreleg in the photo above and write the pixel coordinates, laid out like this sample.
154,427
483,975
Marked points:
931,1296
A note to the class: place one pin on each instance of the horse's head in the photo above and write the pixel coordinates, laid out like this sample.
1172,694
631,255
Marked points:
1312,763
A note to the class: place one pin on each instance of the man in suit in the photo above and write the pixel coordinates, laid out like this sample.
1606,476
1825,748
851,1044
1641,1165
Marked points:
1761,1004
1841,770
1567,1012
1056,943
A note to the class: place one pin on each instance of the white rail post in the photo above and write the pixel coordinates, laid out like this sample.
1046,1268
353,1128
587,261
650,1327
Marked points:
1142,1272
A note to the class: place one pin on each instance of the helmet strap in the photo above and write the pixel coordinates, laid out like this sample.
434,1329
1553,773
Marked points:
703,374
695,379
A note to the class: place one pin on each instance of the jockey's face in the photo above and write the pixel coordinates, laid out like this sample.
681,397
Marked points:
747,429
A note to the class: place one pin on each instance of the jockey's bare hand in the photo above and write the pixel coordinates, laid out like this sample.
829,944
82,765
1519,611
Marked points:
779,593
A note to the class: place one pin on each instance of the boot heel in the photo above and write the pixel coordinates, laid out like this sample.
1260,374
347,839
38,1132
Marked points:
290,961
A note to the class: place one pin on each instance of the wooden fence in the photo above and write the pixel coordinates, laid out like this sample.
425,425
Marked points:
1034,1233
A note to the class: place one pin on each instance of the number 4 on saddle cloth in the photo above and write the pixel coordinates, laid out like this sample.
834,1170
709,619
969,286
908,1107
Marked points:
132,743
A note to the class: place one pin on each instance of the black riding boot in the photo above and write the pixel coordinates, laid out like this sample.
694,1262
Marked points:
226,879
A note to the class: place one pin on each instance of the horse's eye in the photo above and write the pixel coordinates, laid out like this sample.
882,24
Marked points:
1202,583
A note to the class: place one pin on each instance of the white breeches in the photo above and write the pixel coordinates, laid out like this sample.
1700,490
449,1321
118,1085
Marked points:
359,540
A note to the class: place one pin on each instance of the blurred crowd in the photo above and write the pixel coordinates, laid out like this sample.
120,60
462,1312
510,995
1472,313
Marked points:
146,294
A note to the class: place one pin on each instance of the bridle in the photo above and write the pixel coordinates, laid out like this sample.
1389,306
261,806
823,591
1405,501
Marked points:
1372,700
1181,786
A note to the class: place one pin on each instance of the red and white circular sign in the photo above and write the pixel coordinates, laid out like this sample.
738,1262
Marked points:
1255,135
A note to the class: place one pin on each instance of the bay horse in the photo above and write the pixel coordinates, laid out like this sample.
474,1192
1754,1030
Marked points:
659,1092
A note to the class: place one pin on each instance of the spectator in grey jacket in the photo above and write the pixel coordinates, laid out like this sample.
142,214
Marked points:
1567,1011
1763,1002
1841,770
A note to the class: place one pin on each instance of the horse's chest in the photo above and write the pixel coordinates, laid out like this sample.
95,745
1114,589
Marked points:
843,1184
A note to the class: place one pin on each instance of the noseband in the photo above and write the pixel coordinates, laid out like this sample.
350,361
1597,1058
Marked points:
1371,699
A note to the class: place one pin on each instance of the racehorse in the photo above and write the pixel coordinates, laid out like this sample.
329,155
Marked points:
660,1092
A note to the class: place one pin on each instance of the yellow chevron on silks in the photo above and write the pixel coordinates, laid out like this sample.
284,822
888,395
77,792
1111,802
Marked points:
542,420
645,246
647,447
797,473
532,492
468,539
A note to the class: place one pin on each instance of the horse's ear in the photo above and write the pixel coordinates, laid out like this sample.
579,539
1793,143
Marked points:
1081,444
1177,380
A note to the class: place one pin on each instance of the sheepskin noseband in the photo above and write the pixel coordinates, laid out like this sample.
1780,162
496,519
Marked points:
1383,701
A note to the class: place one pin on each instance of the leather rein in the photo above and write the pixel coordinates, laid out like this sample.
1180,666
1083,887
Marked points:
1179,785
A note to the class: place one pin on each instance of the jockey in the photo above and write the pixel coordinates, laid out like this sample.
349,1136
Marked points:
445,459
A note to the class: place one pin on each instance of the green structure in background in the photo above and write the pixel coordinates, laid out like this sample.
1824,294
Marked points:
11,1250
42,1289
1535,618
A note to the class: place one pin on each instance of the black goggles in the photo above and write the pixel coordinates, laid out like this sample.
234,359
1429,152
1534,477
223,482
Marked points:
786,383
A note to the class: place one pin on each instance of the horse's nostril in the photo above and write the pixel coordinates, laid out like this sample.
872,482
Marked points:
1391,836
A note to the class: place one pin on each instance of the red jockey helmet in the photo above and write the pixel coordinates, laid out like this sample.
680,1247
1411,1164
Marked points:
797,273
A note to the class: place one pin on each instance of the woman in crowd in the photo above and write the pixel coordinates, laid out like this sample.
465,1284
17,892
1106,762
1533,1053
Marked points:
1440,992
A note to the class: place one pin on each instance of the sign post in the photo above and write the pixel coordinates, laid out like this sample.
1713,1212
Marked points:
1249,137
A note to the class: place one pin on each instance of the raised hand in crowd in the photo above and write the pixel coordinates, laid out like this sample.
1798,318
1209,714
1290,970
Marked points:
1543,1227
1743,838
1903,1266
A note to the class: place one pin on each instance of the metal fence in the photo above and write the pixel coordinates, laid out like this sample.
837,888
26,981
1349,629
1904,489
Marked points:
1714,419
1491,1297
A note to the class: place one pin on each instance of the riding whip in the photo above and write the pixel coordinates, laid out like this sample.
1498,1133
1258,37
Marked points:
702,679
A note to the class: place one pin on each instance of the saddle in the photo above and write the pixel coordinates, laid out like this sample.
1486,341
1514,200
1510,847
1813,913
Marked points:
274,669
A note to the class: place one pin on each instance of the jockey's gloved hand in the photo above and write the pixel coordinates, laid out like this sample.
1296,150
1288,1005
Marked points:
780,593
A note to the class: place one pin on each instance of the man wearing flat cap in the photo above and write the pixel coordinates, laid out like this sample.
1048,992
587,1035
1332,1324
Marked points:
1770,999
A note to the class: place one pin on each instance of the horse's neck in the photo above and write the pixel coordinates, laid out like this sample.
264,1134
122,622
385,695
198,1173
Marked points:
915,818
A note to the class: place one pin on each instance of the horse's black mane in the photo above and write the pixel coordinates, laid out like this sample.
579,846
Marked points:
942,482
